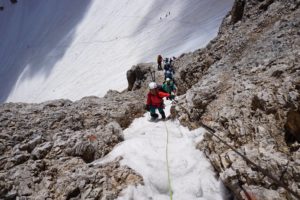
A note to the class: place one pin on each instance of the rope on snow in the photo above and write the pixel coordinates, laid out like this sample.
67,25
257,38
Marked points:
168,168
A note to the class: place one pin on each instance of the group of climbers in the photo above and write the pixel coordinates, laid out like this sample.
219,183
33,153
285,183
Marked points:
168,66
12,1
158,92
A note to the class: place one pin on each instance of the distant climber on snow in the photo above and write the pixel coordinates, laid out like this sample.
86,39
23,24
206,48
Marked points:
155,101
159,61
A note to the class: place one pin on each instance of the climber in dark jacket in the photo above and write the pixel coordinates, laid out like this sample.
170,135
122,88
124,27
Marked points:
169,71
159,62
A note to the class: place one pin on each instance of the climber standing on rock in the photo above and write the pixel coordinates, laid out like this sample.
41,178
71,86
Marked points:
159,61
155,101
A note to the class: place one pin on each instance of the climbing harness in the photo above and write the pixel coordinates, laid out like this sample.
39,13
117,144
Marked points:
263,171
167,161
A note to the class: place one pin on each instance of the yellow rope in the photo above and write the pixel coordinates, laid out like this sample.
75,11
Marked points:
168,168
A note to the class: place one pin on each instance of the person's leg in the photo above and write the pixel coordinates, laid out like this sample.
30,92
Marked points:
162,112
166,75
152,112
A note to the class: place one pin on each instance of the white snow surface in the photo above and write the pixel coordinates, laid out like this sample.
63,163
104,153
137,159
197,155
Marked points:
75,48
144,150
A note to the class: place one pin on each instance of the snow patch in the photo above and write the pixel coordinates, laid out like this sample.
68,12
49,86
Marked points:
144,150
87,50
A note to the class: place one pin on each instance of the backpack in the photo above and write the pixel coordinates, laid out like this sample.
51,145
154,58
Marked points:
160,88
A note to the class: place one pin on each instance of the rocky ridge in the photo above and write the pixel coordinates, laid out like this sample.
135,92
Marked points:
47,149
245,85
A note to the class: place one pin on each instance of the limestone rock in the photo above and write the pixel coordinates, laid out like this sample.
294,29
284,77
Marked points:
249,94
138,74
292,125
46,149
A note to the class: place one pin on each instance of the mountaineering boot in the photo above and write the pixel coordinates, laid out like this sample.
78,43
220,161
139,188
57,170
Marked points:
163,116
154,116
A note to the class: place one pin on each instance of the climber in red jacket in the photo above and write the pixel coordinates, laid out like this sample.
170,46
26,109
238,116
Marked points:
159,61
155,101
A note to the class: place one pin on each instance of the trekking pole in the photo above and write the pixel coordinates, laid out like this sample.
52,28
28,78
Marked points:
260,169
152,74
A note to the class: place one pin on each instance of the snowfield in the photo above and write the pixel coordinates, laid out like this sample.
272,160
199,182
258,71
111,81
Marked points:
73,48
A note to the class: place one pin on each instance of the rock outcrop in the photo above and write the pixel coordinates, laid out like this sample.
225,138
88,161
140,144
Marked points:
138,74
245,85
47,149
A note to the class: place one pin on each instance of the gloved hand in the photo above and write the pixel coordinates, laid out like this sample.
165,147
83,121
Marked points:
172,96
147,107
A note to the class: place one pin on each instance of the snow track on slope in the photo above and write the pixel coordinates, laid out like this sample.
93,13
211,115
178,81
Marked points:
47,53
144,150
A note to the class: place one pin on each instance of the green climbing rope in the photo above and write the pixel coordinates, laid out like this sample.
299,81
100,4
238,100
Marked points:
168,168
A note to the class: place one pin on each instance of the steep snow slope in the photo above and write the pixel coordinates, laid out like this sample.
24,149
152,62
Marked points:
74,48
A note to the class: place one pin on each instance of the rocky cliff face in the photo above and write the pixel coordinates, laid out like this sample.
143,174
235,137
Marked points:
245,85
46,149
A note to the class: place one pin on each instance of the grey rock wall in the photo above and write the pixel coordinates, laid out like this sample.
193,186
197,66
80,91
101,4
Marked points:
245,85
47,149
